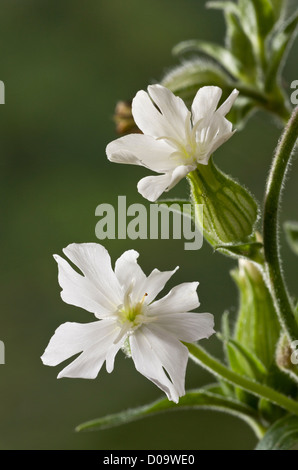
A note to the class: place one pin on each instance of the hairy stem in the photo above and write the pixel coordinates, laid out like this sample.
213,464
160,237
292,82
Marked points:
218,369
282,301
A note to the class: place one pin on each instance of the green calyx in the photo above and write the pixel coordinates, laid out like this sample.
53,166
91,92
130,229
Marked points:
257,327
230,211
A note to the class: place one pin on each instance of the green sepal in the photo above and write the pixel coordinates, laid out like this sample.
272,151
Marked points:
291,231
194,399
283,435
230,211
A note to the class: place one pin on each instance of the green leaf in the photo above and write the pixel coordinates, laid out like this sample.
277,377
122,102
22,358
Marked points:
214,388
291,230
241,361
240,46
251,251
278,47
236,365
218,53
230,7
249,21
257,18
247,363
225,325
186,79
283,435
278,8
265,17
230,211
227,388
194,399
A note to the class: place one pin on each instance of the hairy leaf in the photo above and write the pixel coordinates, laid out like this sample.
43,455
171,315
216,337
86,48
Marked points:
218,53
283,435
195,399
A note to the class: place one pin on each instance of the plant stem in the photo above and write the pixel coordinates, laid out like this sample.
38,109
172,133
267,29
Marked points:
273,268
218,369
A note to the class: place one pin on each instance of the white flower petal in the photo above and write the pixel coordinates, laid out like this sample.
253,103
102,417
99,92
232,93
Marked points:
181,298
173,109
147,117
94,339
111,354
128,271
80,291
179,173
205,103
153,351
220,130
226,106
187,326
144,150
221,139
151,187
95,263
155,283
88,364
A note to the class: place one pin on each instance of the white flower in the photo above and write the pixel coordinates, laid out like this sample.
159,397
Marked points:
174,140
127,317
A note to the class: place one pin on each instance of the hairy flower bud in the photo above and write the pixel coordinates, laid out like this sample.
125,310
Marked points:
287,357
257,326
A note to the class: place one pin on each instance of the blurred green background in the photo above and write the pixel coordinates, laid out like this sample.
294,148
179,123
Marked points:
64,65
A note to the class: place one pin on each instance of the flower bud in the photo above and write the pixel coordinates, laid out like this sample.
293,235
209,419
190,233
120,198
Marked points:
257,326
123,119
230,211
257,329
287,357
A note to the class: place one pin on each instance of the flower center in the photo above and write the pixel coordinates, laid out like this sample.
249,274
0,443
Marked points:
132,314
188,149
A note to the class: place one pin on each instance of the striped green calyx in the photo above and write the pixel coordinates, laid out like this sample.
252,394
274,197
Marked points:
230,211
